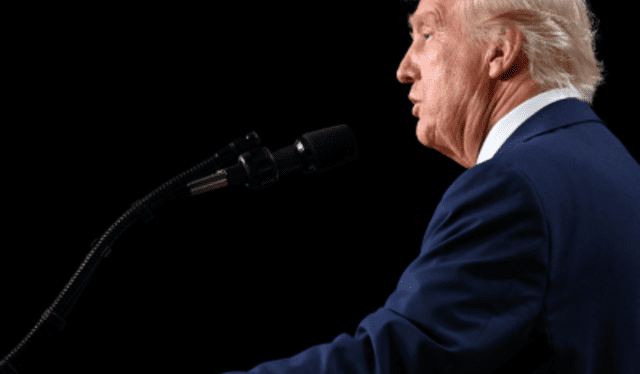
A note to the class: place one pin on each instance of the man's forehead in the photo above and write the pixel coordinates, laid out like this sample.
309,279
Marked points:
425,13
421,17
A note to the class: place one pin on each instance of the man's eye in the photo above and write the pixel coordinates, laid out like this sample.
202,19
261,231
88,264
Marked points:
427,36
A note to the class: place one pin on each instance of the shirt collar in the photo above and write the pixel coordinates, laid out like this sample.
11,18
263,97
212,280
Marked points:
516,117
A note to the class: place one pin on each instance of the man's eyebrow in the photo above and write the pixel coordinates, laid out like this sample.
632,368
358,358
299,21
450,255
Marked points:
422,17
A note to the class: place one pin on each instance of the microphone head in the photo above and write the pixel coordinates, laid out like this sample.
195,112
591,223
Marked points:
328,148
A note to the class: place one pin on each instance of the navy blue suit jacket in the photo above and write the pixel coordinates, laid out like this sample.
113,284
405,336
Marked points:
531,260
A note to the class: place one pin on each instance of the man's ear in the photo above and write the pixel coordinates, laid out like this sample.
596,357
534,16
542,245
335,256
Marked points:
505,56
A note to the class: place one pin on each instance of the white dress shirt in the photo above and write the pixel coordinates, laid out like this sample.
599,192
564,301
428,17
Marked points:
516,117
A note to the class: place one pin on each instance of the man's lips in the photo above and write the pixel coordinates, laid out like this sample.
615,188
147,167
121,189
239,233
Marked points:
416,110
415,102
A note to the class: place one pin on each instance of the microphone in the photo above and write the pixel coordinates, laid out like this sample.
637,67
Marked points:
314,152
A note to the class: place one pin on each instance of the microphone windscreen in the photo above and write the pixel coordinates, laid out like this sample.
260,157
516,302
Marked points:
331,147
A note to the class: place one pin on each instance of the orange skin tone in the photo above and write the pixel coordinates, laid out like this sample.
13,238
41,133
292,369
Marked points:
463,89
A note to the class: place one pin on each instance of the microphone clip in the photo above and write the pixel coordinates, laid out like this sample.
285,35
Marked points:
255,169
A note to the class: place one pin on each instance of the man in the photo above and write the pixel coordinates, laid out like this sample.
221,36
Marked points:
531,261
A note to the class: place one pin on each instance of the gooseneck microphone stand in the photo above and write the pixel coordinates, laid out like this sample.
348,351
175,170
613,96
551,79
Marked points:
256,168
54,318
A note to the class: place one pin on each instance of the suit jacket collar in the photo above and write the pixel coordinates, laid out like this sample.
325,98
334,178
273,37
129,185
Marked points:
559,114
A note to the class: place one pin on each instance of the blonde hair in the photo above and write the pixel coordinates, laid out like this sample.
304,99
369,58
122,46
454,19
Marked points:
558,39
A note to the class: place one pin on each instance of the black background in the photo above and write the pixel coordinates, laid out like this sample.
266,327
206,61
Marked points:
112,101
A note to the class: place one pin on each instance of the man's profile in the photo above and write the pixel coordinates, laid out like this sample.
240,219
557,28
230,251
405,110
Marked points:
464,79
530,261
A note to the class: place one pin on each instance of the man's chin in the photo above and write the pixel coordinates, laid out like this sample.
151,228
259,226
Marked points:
425,133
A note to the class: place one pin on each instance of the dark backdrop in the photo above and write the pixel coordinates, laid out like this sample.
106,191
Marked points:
113,101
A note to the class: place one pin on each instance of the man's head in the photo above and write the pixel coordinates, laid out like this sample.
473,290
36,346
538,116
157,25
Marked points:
465,78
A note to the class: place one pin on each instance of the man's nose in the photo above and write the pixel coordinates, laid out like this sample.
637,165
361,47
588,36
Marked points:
405,74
